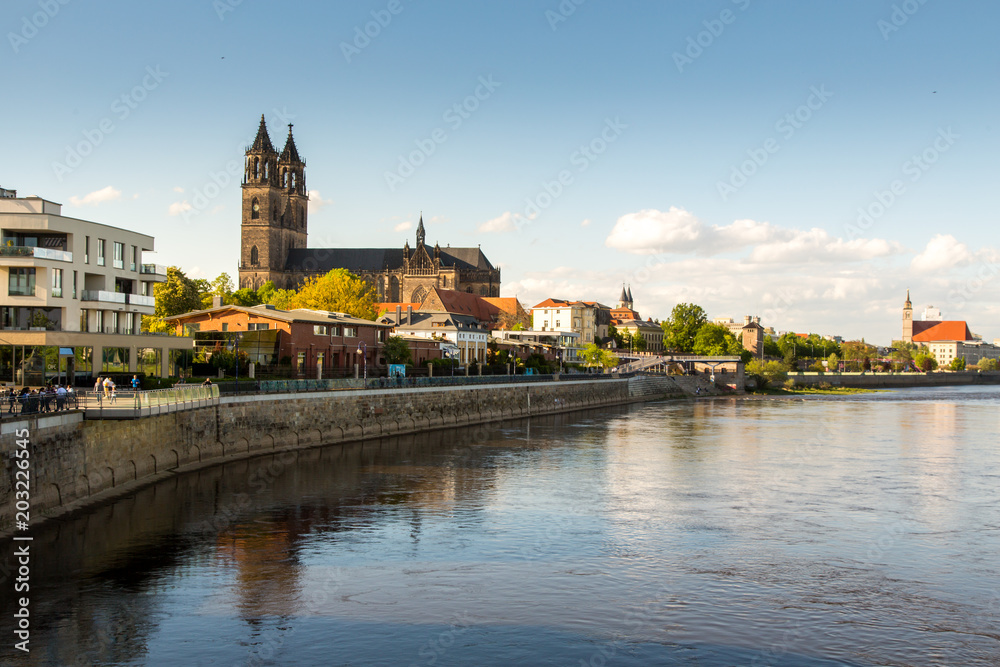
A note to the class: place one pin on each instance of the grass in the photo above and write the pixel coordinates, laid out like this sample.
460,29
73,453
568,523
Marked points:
802,391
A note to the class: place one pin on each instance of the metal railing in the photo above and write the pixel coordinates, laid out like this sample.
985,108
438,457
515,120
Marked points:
102,295
15,405
131,404
153,269
34,251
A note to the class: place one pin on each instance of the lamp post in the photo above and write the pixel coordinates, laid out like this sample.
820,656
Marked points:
363,350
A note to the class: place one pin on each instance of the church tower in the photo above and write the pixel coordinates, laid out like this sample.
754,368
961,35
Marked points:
907,319
275,203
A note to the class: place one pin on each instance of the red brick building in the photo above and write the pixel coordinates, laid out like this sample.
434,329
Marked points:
315,343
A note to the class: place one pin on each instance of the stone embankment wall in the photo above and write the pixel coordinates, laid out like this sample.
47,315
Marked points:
895,380
75,462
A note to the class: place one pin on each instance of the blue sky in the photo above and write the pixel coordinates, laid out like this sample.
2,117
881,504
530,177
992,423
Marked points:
731,143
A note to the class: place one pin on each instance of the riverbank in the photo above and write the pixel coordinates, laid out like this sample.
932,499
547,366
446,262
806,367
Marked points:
74,463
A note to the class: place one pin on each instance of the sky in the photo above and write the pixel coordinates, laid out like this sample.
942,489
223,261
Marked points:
806,162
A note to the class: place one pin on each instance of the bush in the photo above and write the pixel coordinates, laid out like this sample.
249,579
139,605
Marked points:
817,367
790,383
825,385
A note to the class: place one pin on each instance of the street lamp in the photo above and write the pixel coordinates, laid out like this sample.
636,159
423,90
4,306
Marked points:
363,350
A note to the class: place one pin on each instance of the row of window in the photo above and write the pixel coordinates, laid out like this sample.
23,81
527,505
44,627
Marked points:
323,330
118,257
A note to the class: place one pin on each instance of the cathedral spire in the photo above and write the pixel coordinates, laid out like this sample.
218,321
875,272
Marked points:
623,299
908,304
290,154
262,143
420,230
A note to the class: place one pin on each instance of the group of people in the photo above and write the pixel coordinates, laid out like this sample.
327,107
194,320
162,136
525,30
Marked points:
50,398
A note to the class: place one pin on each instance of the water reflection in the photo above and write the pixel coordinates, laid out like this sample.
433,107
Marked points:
711,532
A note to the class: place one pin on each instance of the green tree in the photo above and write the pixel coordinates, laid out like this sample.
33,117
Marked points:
591,355
178,294
616,335
608,359
396,350
222,286
925,362
766,373
715,340
833,362
957,364
245,297
680,329
340,291
988,364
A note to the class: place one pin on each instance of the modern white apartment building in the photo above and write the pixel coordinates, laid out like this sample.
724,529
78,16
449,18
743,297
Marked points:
72,297
587,318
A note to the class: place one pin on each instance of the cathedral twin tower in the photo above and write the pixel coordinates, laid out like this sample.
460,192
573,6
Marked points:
274,231
275,209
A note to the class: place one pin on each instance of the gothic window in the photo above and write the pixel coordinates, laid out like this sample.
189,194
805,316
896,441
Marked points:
418,295
394,289
256,168
267,170
482,291
293,180
274,213
254,258
284,178
469,289
254,209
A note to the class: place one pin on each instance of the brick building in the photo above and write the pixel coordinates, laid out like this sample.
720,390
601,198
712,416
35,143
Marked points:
315,343
274,232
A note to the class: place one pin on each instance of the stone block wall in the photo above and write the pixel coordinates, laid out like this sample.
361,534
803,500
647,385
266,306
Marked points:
76,462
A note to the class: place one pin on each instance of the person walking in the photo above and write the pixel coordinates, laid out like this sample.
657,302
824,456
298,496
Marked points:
11,401
108,384
60,398
114,391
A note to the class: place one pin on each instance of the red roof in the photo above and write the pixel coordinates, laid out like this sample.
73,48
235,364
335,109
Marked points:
463,303
949,330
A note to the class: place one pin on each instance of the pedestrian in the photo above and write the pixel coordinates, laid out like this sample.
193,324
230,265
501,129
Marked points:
11,401
114,393
135,382
60,398
108,384
97,385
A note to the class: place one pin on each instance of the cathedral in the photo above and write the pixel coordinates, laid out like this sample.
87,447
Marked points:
274,231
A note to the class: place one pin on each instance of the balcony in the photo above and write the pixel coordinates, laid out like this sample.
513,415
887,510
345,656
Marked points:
101,295
140,300
36,252
154,269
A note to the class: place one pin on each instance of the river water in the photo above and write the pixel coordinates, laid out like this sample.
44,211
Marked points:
858,530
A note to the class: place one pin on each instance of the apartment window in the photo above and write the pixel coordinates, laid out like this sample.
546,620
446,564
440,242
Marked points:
225,326
100,252
86,250
21,281
133,264
258,326
334,331
558,323
319,330
74,284
57,282
119,258
83,320
113,328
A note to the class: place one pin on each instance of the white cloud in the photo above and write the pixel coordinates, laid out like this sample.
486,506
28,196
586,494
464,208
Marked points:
650,231
505,222
179,189
943,251
97,197
403,226
316,201
585,223
179,207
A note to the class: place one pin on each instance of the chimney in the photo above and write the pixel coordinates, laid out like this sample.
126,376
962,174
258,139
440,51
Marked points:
216,302
399,315
409,314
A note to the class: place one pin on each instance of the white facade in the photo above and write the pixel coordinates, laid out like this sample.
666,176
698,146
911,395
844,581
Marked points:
944,351
67,274
72,297
578,316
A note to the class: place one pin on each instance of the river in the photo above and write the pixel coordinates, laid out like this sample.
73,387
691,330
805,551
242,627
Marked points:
860,530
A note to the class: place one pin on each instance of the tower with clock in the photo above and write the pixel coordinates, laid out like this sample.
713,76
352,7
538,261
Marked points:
275,210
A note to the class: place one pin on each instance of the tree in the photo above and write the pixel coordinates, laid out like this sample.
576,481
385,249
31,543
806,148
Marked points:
681,328
245,297
833,362
767,372
925,362
608,359
594,356
715,340
957,364
616,335
177,295
396,350
222,286
988,364
340,291
638,342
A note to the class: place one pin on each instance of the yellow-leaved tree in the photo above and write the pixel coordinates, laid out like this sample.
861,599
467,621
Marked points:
339,290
